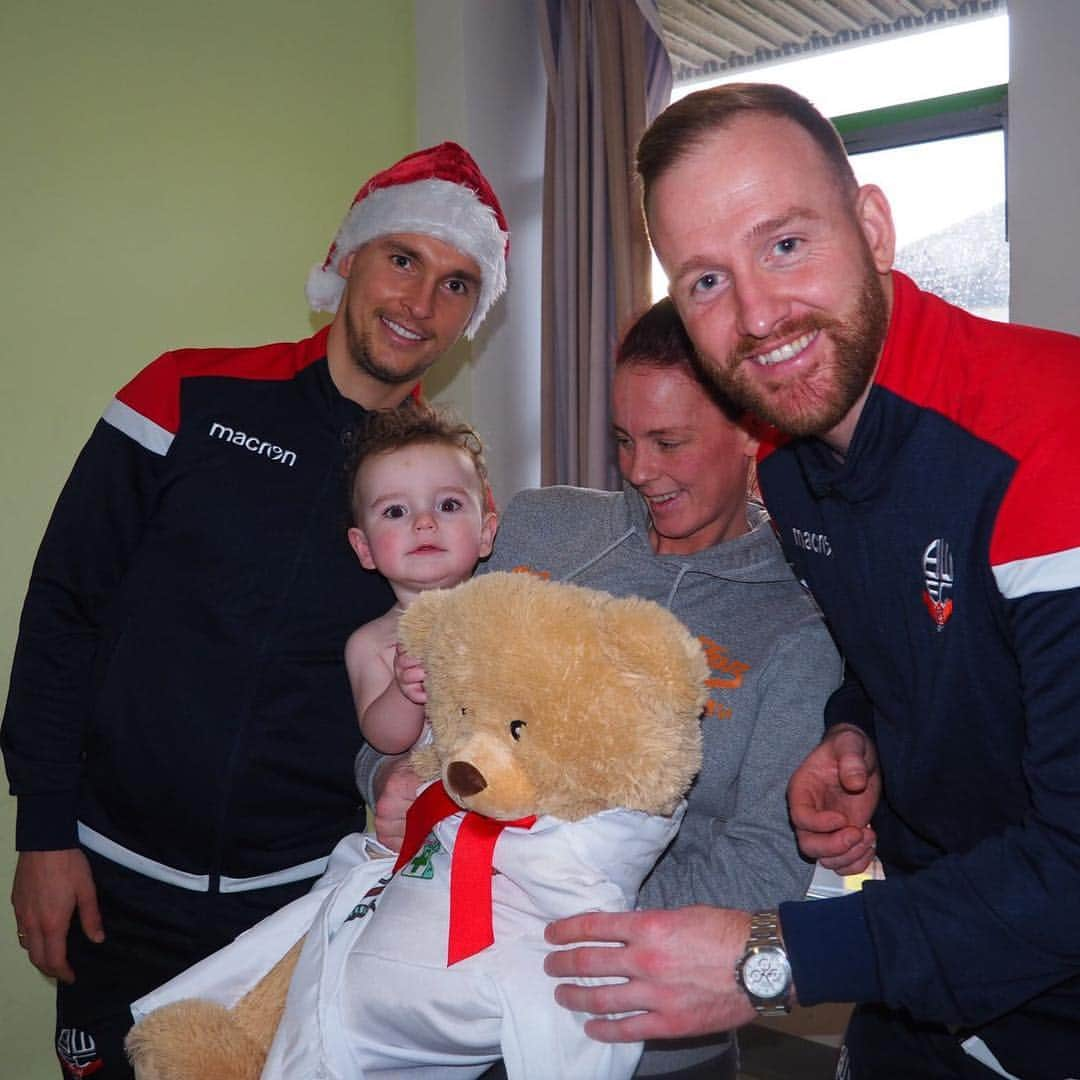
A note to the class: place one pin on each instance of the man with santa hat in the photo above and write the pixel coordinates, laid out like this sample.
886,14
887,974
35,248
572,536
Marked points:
179,730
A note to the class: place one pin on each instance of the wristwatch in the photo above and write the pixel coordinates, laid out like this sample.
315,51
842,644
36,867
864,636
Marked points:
763,970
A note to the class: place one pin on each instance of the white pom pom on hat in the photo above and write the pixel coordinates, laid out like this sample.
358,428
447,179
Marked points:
438,192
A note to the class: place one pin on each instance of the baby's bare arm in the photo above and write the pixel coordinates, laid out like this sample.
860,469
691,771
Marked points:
390,720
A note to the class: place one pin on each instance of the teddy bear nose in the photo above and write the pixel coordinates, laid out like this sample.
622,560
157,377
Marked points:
464,778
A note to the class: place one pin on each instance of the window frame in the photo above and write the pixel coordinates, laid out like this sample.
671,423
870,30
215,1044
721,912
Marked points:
950,116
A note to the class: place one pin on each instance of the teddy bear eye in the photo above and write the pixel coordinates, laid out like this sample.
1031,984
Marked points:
515,729
464,710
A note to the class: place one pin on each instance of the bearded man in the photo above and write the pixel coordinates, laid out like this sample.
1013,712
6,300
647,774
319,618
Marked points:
923,469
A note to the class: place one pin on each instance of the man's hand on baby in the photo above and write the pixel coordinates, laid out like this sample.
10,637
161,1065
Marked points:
409,674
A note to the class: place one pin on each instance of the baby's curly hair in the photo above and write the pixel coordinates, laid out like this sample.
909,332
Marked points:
413,423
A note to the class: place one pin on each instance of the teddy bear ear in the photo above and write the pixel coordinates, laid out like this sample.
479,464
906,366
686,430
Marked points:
418,624
652,647
646,638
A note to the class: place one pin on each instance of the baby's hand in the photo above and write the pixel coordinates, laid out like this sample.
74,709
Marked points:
410,676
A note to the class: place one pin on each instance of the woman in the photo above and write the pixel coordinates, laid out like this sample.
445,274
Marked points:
684,533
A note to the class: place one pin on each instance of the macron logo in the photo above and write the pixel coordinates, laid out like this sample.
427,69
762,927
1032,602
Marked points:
252,443
818,543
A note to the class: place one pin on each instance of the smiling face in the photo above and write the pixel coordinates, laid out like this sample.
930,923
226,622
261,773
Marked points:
687,459
408,298
779,273
421,518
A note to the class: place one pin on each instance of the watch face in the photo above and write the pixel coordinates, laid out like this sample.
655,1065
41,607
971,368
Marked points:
766,973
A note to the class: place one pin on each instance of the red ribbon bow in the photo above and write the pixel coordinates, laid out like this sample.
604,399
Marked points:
470,866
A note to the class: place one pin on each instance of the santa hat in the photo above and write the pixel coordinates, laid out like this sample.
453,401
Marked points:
438,192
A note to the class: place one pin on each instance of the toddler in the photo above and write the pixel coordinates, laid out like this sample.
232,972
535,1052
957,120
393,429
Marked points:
422,516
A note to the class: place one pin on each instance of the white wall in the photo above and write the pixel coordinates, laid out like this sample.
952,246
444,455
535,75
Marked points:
1044,163
480,81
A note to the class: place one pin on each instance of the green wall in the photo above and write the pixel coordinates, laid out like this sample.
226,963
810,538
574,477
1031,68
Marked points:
169,173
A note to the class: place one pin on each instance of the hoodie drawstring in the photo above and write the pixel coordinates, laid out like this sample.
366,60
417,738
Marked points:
596,558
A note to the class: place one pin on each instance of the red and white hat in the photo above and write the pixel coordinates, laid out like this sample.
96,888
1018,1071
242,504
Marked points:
438,192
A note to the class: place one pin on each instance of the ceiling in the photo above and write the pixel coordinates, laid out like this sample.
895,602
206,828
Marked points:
708,37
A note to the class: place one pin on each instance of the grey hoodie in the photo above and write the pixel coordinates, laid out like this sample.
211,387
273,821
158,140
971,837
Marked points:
773,666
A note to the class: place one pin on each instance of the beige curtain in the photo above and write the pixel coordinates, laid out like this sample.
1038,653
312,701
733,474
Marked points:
608,75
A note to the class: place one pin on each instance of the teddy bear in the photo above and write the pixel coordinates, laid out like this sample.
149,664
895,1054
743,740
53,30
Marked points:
564,734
